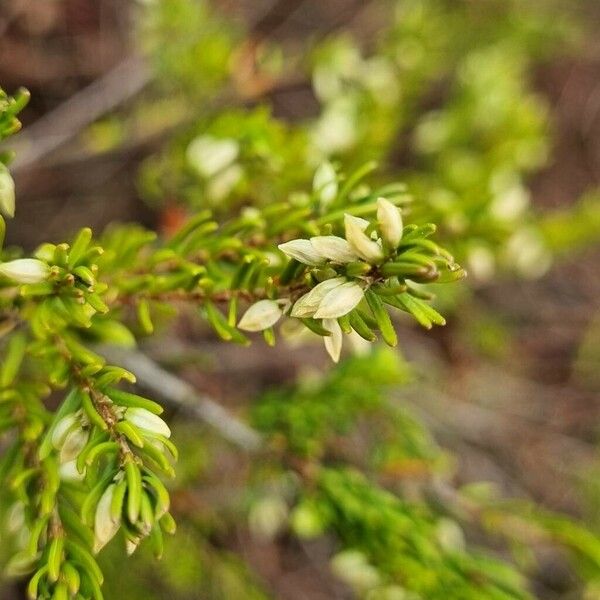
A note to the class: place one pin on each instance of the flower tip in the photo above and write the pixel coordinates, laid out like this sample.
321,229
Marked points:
359,241
390,223
325,183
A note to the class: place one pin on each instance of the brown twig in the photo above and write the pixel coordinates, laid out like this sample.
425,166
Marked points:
55,128
182,395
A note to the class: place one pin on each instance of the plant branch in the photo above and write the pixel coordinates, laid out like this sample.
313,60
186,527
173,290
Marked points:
63,123
180,394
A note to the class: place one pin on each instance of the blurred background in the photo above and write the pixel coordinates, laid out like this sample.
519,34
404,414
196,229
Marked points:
488,110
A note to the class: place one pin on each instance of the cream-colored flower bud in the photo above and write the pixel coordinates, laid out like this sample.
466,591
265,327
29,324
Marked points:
147,421
340,301
325,183
390,222
15,518
131,545
334,248
526,252
73,444
303,251
333,342
105,527
63,428
353,567
25,270
307,305
7,192
360,242
261,315
68,471
208,155
362,223
450,535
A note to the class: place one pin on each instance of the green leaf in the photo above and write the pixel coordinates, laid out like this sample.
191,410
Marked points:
12,359
382,317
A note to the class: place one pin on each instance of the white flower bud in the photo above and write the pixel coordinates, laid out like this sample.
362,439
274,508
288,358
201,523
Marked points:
21,563
307,305
105,527
15,519
333,342
335,129
63,428
390,222
25,270
340,301
353,567
526,253
359,241
510,204
333,248
261,315
325,183
303,251
147,421
73,444
224,182
131,545
7,192
450,535
209,155
362,223
68,471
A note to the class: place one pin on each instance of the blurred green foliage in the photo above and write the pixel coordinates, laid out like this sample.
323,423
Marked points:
469,157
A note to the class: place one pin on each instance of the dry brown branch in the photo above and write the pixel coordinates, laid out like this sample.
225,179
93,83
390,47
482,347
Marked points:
55,128
179,394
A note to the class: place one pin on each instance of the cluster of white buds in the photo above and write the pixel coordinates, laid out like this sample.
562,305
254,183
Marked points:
357,245
135,498
136,501
339,295
336,297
